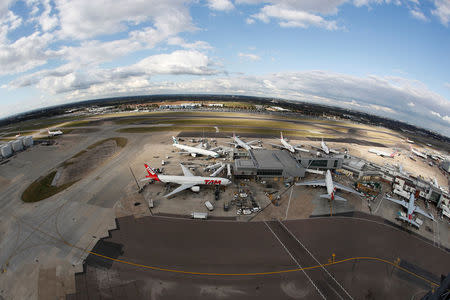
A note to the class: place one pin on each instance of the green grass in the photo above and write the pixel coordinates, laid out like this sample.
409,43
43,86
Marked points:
37,124
42,189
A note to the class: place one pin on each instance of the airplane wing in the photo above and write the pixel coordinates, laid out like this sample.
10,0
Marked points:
301,149
252,142
312,182
186,171
345,188
199,146
179,189
277,146
333,151
423,213
401,202
256,147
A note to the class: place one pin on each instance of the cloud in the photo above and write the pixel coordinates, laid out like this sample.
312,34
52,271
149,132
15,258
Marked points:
249,56
84,19
68,78
418,14
222,5
445,118
411,104
25,53
442,11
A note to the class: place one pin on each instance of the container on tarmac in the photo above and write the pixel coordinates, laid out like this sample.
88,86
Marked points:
6,150
209,206
199,215
17,145
27,141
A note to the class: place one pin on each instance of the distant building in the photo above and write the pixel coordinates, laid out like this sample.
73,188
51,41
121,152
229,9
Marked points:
215,105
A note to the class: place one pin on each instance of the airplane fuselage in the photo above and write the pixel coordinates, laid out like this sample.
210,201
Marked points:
195,180
241,143
195,150
287,145
324,147
329,184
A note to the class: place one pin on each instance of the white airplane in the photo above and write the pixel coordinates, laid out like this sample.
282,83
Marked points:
409,141
411,209
54,133
325,148
287,146
194,150
418,153
331,187
187,181
240,143
382,153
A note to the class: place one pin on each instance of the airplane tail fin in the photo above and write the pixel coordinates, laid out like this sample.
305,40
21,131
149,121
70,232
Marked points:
281,135
175,141
393,153
151,173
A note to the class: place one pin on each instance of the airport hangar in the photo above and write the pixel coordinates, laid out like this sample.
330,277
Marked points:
281,165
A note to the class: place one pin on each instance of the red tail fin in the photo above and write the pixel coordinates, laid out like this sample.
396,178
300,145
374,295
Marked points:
393,153
151,173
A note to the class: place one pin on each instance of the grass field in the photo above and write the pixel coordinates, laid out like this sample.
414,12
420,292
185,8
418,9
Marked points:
42,189
264,131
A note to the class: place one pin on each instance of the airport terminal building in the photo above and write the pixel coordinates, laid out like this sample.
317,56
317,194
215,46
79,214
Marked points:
280,165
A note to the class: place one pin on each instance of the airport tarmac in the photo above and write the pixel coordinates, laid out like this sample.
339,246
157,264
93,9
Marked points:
224,247
37,239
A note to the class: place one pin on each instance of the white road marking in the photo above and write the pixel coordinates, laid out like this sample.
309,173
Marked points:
293,258
289,202
284,226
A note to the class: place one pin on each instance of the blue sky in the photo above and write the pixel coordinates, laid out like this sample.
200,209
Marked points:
387,57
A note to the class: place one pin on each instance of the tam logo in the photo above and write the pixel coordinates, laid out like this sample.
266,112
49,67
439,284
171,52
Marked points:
208,181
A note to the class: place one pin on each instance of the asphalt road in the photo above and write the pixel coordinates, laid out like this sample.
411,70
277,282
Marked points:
226,248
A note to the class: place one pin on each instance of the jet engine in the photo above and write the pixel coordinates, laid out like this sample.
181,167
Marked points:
194,154
195,188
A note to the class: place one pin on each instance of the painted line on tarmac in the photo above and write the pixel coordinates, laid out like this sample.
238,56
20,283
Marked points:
298,264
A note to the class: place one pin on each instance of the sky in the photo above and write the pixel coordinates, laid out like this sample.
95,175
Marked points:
386,57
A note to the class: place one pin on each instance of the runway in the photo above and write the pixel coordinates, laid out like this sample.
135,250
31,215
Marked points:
226,260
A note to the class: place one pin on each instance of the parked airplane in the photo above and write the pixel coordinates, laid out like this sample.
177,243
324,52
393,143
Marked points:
54,133
187,181
194,150
411,209
382,153
287,146
331,187
325,148
418,153
240,143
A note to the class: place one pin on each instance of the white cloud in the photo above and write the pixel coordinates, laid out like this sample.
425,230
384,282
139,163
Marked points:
293,18
249,56
445,117
222,5
411,104
68,78
84,19
47,20
418,14
442,11
25,53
